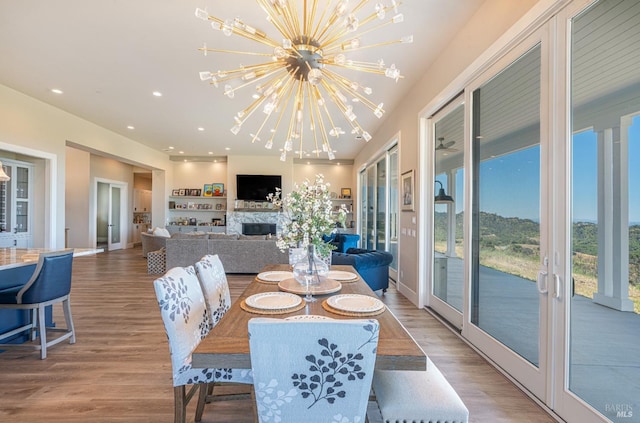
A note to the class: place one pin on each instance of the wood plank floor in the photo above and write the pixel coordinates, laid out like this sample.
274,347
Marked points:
119,369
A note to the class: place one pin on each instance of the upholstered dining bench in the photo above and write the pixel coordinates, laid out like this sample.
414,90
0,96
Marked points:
417,397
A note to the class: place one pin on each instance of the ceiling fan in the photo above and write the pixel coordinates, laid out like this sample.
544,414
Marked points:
445,146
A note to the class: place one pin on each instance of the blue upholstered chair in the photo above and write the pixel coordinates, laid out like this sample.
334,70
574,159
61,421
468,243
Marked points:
372,265
50,283
312,371
186,322
342,242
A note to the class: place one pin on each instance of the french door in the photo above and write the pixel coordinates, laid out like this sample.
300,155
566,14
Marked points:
550,170
110,214
379,203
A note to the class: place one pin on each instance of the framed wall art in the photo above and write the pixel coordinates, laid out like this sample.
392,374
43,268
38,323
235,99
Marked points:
407,191
218,190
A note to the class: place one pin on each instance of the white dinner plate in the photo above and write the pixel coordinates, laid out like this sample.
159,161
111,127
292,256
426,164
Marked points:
273,301
275,276
355,303
308,317
341,275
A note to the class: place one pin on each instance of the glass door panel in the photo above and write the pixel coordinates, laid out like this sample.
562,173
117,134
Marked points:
448,234
369,235
506,231
381,204
603,340
114,218
394,202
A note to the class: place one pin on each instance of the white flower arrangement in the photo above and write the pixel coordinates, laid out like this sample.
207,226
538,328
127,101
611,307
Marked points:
307,215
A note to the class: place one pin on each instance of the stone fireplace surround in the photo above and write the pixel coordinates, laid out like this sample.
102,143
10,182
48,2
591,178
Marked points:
263,220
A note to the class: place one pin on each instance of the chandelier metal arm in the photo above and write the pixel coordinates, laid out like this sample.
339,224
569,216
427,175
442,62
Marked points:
329,43
245,113
229,91
258,36
218,50
274,14
345,84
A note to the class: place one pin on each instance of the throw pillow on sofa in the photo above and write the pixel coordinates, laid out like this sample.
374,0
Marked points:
163,232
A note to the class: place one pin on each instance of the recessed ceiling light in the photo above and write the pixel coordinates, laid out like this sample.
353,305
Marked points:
210,152
200,128
171,148
227,148
56,91
180,152
157,93
131,127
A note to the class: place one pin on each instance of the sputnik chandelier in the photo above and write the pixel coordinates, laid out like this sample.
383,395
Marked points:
303,69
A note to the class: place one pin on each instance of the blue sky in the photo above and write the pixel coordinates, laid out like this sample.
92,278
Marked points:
510,185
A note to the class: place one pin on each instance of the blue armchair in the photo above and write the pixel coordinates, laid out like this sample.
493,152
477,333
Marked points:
372,265
342,242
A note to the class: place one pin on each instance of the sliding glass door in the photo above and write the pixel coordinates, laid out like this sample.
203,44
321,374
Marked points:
508,302
446,295
379,206
599,287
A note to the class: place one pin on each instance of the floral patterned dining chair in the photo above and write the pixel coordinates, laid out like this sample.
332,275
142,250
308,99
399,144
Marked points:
215,287
186,322
312,370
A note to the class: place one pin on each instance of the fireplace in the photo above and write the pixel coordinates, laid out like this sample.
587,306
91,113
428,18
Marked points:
258,228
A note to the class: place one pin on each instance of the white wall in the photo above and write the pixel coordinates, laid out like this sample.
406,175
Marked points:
34,128
77,182
338,176
492,20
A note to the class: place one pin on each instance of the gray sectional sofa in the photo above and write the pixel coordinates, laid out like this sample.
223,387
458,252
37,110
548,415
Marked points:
238,253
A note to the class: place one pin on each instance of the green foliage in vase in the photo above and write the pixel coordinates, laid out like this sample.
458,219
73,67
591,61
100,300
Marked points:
307,215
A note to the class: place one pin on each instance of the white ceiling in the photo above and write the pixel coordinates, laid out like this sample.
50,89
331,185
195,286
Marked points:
109,56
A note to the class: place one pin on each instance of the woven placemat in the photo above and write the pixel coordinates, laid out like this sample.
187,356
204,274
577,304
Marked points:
245,307
352,313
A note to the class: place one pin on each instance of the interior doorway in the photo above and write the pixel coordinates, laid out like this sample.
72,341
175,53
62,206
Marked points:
110,214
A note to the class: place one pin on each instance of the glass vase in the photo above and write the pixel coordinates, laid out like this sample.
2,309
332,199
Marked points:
310,271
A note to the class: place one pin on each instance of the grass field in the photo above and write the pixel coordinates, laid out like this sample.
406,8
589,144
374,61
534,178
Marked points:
527,266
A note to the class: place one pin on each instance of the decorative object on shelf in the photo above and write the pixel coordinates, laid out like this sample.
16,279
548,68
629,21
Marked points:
207,190
407,190
175,192
218,189
310,270
303,69
181,191
307,216
345,193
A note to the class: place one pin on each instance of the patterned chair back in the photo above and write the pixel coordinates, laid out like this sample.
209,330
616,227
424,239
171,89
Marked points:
214,286
185,318
312,371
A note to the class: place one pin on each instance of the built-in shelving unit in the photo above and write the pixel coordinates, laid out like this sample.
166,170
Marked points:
205,211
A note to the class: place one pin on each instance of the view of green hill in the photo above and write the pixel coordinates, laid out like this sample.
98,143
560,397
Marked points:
511,244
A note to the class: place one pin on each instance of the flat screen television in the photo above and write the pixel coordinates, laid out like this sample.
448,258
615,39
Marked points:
256,187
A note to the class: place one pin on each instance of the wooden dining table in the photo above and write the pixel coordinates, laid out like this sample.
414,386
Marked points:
227,344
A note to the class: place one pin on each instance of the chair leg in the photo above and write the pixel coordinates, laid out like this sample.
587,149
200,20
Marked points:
42,332
69,320
180,411
256,419
34,321
202,397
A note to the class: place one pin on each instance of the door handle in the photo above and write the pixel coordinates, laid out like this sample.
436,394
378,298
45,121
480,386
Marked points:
556,286
542,274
